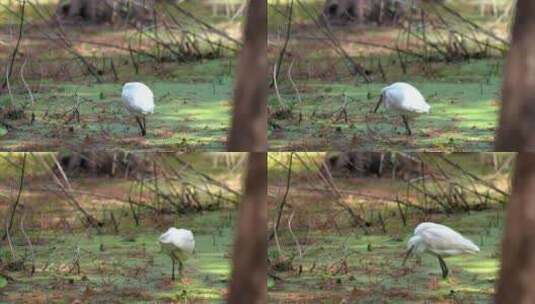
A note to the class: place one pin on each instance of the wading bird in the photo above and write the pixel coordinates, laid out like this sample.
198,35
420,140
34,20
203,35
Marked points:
179,245
139,101
405,100
440,241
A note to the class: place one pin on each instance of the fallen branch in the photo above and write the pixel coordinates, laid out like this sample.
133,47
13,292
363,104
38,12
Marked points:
206,25
473,176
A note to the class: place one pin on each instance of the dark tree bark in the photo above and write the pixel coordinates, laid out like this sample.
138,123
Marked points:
99,11
344,11
379,11
515,133
249,274
249,122
104,163
249,133
517,119
364,164
88,10
517,273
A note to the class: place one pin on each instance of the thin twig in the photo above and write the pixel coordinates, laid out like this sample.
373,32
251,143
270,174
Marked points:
27,241
285,45
15,51
293,83
9,224
299,250
279,98
25,83
453,164
284,198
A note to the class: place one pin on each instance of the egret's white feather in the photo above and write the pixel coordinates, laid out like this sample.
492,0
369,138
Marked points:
178,243
138,98
404,98
441,240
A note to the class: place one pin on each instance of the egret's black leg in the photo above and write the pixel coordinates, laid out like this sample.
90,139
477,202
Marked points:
407,255
180,266
378,103
406,122
173,273
144,126
140,123
443,266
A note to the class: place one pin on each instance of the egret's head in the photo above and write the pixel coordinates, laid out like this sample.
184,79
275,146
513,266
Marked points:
414,242
413,245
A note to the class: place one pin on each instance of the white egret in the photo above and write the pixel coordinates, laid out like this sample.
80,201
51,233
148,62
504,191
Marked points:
139,101
404,99
179,245
440,241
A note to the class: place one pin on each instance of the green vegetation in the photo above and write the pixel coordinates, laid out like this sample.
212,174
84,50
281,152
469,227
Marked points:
321,104
65,90
53,255
463,118
345,264
326,258
192,112
125,266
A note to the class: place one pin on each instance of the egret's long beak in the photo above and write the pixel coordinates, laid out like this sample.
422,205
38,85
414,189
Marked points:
378,104
407,255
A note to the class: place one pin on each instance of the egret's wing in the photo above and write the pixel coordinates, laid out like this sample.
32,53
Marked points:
138,97
444,239
426,225
184,240
414,101
417,106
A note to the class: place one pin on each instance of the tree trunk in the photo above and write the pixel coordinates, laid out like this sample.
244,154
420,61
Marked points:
515,133
75,8
249,270
517,273
361,9
249,122
249,133
517,119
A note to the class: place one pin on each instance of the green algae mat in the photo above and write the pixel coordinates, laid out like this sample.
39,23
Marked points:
337,115
125,267
352,267
193,110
